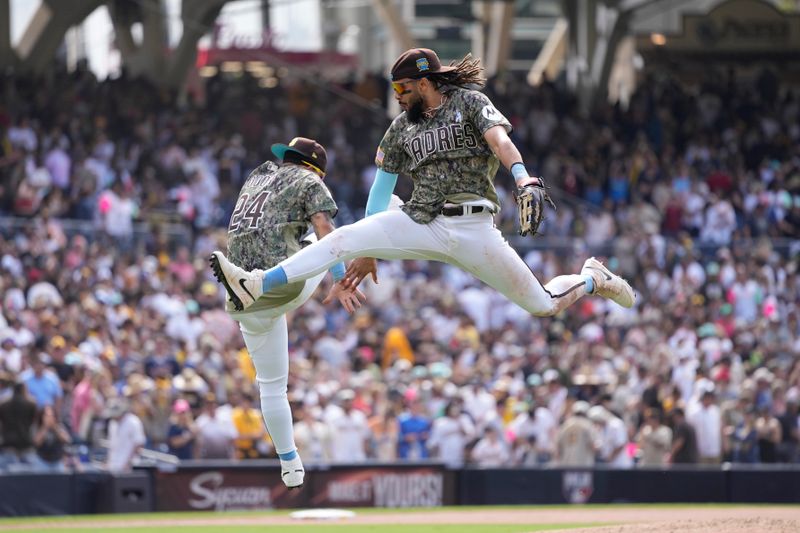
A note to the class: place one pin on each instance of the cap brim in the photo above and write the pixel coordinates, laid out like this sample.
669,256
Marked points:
418,75
441,70
279,150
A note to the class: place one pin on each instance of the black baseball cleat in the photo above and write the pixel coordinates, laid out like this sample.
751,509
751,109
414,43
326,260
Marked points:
243,287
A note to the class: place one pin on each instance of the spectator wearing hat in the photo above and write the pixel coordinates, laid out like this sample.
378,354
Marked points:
126,436
577,441
190,384
706,420
58,352
182,434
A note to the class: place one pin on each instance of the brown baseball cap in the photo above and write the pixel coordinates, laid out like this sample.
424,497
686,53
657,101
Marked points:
417,63
311,151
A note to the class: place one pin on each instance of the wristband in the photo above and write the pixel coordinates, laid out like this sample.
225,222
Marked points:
518,171
338,271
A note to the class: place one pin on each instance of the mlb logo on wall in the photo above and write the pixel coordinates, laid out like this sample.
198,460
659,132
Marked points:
577,487
422,64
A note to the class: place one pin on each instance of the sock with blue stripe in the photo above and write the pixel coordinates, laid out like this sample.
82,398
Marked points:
589,284
288,456
274,277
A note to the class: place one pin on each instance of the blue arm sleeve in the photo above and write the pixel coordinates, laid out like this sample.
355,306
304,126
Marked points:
381,192
338,271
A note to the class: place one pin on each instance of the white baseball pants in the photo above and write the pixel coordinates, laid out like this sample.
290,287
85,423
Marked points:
267,339
470,242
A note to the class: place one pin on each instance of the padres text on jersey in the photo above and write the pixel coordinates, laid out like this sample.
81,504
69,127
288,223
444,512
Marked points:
446,155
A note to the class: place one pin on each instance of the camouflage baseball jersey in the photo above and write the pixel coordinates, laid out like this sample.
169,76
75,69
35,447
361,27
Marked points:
271,217
446,156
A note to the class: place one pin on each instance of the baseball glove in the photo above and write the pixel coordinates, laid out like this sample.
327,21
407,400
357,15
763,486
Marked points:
530,204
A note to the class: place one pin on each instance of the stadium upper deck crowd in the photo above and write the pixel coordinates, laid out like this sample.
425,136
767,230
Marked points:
692,194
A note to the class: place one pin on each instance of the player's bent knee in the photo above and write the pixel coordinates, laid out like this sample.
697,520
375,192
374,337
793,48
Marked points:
273,388
543,312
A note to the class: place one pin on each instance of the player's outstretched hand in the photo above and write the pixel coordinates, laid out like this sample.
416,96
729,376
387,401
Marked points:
530,180
358,270
351,299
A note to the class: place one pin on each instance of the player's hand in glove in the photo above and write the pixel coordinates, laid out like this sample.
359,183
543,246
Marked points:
531,197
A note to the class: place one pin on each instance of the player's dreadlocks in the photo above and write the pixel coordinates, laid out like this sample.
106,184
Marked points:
467,72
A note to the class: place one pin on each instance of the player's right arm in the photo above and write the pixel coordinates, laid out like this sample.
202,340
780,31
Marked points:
322,223
388,161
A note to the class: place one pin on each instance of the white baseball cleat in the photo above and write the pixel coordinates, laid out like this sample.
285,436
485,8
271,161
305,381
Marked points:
607,284
292,473
243,287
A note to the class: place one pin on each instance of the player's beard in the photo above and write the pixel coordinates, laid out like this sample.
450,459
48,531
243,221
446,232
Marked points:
415,111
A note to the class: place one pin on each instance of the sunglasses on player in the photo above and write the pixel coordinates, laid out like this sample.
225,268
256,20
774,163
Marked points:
400,87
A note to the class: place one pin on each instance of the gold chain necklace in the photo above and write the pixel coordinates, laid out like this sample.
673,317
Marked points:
432,111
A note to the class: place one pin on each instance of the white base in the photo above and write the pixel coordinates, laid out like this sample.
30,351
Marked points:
322,514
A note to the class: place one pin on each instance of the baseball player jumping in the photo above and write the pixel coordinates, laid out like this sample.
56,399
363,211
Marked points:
451,141
272,214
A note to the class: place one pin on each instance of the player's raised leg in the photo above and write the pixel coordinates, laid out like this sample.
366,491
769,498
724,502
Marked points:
386,235
483,251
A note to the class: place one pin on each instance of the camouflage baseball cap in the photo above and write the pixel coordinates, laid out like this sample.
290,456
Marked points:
417,63
311,151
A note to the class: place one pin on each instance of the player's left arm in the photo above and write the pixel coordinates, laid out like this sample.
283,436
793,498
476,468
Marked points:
380,195
498,140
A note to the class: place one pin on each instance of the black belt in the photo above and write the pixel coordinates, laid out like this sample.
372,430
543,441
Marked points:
458,210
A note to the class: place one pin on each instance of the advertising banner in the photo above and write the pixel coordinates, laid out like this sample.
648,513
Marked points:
383,486
245,487
224,489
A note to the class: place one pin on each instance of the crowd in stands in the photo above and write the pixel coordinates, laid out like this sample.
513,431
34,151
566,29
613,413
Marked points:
112,327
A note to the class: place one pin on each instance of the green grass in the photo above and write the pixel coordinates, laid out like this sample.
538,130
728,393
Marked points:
370,510
215,522
334,528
